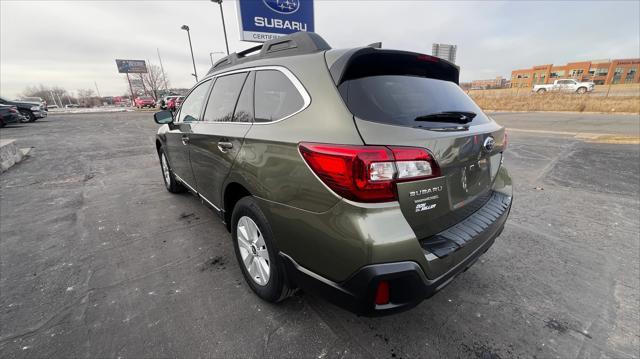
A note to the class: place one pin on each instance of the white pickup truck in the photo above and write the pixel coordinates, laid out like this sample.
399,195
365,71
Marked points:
566,85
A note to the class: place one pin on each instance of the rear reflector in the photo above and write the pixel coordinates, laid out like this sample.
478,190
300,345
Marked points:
382,293
367,173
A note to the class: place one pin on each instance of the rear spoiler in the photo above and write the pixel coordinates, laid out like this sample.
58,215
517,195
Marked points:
369,61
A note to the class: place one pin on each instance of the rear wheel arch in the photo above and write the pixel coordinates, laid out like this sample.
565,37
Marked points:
233,193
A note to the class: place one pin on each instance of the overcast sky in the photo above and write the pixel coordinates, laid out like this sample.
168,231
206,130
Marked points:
74,43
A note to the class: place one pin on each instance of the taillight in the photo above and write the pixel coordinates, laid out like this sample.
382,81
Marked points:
367,173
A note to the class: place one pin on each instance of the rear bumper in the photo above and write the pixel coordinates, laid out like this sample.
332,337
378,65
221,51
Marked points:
407,281
11,118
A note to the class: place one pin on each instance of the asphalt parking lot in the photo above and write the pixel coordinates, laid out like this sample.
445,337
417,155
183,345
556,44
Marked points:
97,259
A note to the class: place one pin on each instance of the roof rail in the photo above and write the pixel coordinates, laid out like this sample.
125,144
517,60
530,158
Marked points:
299,43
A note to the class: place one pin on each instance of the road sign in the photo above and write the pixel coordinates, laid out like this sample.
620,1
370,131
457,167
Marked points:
131,66
263,20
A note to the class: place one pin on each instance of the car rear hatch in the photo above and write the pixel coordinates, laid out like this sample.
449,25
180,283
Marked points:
404,99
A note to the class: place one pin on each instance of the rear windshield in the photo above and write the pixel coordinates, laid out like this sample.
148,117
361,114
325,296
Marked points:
400,99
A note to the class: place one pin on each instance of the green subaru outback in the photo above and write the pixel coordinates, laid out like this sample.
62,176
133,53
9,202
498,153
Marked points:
365,175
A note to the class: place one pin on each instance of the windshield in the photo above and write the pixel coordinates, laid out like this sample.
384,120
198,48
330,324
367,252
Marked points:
400,100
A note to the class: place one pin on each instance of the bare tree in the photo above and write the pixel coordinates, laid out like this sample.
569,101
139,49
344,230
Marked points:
86,97
153,81
53,95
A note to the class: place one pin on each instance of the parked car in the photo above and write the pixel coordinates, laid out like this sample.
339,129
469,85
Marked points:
163,102
38,100
145,101
52,106
71,105
174,103
9,114
30,110
375,194
566,85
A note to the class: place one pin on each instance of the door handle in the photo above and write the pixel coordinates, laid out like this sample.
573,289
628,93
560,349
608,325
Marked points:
224,146
185,140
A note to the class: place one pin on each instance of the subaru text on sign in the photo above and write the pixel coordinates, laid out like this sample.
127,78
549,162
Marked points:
263,20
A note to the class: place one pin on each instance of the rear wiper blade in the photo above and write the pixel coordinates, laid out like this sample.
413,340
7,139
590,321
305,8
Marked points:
448,116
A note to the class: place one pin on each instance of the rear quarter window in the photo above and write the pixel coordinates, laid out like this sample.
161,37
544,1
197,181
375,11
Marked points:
275,96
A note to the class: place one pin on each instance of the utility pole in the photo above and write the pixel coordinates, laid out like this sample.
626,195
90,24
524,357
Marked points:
224,27
97,90
53,97
130,88
164,77
195,72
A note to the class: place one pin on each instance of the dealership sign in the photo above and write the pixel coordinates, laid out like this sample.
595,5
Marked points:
263,20
131,66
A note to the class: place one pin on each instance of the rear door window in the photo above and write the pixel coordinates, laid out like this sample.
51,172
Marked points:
223,98
275,96
400,99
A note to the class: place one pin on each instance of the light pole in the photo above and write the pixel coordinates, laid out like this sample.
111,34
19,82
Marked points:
195,73
213,53
224,28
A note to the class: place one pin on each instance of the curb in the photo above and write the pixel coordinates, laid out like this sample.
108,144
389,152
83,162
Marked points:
10,154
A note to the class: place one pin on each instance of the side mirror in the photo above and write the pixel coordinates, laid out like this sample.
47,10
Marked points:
163,117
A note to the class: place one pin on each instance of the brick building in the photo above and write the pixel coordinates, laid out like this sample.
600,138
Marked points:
602,72
498,82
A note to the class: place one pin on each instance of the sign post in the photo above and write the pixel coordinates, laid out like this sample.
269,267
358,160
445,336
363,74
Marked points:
263,20
131,67
130,88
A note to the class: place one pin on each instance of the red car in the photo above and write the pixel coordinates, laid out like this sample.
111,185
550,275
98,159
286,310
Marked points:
145,101
174,102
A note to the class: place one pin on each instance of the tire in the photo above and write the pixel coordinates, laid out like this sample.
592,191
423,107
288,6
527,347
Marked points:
256,248
541,91
168,177
28,115
581,90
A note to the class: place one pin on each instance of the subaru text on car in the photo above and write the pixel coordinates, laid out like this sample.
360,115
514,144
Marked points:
365,175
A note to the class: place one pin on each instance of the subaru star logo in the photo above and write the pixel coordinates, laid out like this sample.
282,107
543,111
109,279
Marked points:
283,6
488,144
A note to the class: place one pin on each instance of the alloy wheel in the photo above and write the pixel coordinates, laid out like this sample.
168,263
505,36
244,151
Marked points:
253,250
